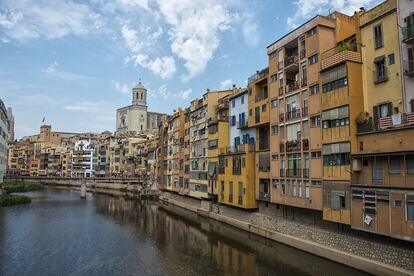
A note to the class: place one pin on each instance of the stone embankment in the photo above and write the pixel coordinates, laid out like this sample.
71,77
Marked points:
371,256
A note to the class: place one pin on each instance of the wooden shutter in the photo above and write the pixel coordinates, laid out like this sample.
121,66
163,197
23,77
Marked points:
389,109
376,115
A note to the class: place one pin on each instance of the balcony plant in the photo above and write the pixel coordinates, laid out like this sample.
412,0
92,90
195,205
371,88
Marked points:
344,46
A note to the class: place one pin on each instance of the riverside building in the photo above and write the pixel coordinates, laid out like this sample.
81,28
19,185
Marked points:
4,128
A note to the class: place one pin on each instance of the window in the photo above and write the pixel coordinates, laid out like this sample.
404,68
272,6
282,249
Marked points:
273,103
264,108
315,121
313,59
316,154
233,103
311,32
380,70
397,203
334,84
410,207
273,78
395,164
242,99
378,39
272,55
391,59
314,89
384,110
307,189
250,112
274,130
275,157
233,120
212,144
409,164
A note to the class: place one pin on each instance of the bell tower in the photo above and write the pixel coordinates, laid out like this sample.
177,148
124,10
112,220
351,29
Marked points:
139,94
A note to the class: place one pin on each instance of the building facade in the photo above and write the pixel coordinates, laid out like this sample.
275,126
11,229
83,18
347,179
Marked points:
10,119
4,130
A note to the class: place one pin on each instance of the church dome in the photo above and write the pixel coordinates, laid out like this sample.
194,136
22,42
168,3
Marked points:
139,86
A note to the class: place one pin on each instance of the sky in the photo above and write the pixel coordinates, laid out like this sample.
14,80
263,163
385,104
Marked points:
75,62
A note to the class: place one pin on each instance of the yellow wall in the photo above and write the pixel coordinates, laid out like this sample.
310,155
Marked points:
390,90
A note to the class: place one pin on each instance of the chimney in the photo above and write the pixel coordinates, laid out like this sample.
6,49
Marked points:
361,9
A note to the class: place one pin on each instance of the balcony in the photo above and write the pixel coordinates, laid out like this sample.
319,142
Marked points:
242,124
282,117
280,65
291,87
258,75
302,54
338,55
304,82
378,78
261,97
368,177
264,162
305,111
396,120
305,173
243,148
293,114
291,60
408,66
408,34
282,172
294,173
294,145
305,144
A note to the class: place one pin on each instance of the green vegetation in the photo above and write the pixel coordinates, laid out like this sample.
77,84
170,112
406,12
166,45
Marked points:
20,187
9,200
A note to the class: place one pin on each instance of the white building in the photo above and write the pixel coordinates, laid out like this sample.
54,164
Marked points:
135,118
238,112
4,126
11,124
83,159
405,11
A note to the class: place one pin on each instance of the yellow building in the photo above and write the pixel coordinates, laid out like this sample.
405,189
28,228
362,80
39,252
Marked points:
383,93
258,119
217,138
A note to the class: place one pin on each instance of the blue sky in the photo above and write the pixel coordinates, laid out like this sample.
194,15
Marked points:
75,62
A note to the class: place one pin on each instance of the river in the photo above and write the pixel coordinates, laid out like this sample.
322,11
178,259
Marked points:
61,234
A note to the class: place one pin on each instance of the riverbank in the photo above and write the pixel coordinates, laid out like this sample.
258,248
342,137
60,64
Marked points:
365,255
10,200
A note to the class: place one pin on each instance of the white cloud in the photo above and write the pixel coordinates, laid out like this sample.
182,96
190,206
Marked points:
52,71
25,19
123,88
226,84
139,42
306,9
195,29
165,93
250,29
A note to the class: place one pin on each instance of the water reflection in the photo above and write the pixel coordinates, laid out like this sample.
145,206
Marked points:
60,234
203,246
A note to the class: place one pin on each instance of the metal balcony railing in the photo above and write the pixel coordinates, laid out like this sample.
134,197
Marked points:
306,173
408,66
294,172
282,147
293,114
408,33
304,82
282,117
293,86
305,111
242,124
302,54
258,75
291,60
282,172
381,77
293,146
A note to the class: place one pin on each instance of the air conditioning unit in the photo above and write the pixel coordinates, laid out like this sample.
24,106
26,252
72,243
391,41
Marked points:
356,165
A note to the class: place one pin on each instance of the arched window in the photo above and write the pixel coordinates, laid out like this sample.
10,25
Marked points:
142,95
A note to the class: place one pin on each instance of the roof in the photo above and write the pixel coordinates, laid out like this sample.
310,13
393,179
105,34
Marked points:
139,86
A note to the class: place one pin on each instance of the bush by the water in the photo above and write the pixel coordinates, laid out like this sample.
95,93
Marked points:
9,200
20,187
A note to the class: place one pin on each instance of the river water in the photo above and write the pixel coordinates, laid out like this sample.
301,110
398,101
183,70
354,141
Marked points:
61,234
